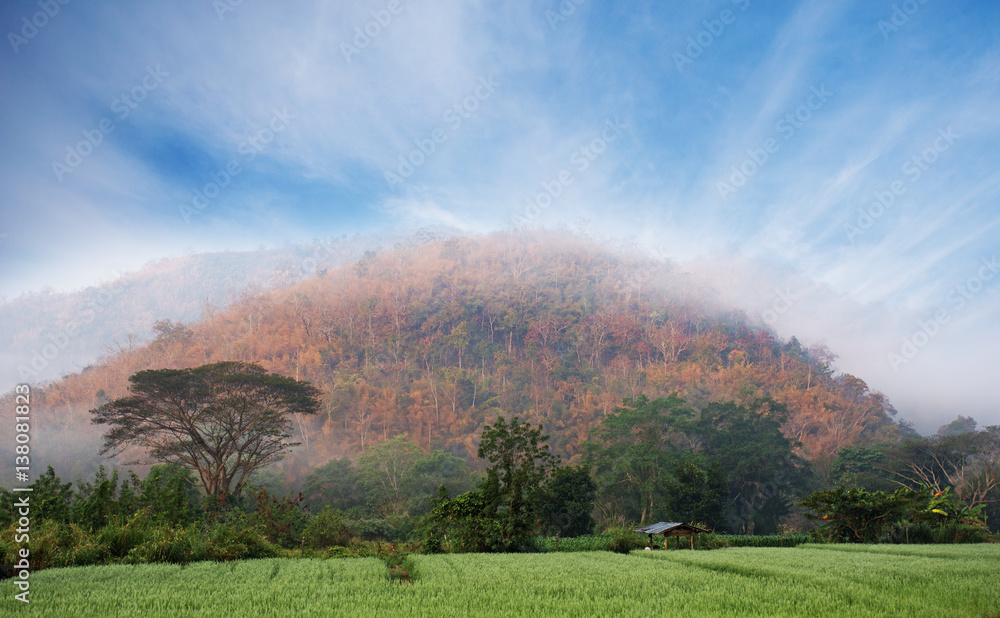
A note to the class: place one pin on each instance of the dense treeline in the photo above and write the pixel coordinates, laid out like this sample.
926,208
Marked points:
726,466
435,341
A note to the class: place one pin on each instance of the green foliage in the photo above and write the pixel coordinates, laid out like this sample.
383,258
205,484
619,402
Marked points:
959,426
810,581
584,542
624,539
336,483
500,515
439,469
955,532
861,466
697,495
327,529
384,471
904,516
717,541
139,539
50,499
566,505
632,452
281,521
728,465
858,516
170,495
762,472
472,522
97,503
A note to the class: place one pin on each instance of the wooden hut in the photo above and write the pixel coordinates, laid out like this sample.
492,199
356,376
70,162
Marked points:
671,529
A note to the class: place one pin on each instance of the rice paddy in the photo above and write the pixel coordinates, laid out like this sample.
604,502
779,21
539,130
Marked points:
809,580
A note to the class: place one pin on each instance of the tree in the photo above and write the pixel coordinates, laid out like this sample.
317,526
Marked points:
763,473
568,501
962,424
383,471
514,483
861,466
50,498
633,451
697,495
500,515
860,516
221,421
968,461
335,484
439,469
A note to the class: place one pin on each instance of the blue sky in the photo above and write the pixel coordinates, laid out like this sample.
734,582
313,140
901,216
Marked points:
836,161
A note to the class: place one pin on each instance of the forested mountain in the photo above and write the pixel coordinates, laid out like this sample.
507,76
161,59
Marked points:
122,312
434,339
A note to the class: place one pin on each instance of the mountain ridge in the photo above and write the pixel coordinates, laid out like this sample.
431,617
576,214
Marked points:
436,339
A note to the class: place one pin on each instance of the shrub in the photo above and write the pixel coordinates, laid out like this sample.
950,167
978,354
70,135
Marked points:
328,529
282,521
960,533
238,541
625,539
164,544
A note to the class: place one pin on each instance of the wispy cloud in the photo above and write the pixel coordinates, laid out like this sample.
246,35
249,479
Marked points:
369,87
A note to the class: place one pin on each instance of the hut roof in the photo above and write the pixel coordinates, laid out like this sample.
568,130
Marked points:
665,526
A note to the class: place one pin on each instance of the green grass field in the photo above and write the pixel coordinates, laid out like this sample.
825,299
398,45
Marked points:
811,580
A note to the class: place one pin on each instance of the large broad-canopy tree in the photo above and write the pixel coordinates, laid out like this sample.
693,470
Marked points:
728,463
222,421
632,453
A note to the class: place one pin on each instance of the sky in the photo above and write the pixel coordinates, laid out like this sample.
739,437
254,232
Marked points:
832,166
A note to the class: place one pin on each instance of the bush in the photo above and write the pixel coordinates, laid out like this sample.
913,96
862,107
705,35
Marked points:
625,539
238,541
282,521
584,542
961,533
328,529
373,529
714,541
164,544
920,533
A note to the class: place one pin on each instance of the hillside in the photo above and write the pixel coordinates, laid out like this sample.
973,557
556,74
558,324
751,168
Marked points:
435,339
120,314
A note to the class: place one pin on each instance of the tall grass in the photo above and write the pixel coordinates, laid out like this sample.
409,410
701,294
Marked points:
624,540
137,540
813,581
